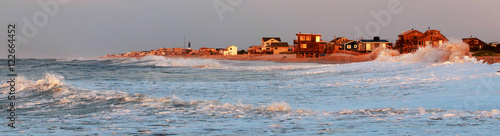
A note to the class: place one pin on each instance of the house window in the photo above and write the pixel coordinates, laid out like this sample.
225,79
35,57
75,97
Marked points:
308,38
427,42
368,47
355,46
383,45
275,48
318,39
303,45
302,38
230,49
476,42
440,41
348,46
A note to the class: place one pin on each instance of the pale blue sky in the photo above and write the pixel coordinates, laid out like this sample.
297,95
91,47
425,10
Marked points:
92,28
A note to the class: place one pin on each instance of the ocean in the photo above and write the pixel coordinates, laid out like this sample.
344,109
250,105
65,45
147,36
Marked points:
412,94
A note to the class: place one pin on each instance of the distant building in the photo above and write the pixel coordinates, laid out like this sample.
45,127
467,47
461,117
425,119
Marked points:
279,47
178,51
253,49
219,51
188,51
232,50
206,51
494,44
475,43
143,53
338,40
410,41
368,45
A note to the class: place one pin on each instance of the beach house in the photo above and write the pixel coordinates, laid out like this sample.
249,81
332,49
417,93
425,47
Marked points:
410,41
368,45
177,51
206,51
349,45
266,42
309,45
279,47
231,50
335,44
475,43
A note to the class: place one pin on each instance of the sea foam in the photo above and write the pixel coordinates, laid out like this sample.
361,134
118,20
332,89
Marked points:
454,52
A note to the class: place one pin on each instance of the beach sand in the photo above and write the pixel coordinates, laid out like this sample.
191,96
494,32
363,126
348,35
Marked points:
285,58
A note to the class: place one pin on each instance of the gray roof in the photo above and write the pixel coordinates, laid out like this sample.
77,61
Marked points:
269,38
338,38
280,44
371,40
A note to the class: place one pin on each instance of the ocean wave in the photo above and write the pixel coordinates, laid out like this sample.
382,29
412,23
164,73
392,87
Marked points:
49,82
432,114
214,64
170,62
455,52
51,94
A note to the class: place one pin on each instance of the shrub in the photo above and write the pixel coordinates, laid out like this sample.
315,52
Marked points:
484,53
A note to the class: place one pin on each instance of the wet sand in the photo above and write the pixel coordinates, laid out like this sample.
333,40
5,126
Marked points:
286,58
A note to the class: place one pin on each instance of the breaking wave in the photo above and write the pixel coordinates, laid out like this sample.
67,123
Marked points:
178,62
49,82
52,96
456,52
214,64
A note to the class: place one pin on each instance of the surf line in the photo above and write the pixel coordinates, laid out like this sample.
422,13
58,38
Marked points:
11,110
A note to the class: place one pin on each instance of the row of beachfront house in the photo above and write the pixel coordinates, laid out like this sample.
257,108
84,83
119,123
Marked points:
408,41
230,50
270,45
274,45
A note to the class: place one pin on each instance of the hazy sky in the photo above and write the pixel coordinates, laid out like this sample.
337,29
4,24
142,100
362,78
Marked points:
92,28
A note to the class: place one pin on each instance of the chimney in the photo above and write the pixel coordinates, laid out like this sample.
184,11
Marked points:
429,28
376,38
334,37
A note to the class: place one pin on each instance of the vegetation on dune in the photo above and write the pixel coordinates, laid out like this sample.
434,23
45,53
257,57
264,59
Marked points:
484,53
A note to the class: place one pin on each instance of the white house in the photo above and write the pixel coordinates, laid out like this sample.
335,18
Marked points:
266,42
231,50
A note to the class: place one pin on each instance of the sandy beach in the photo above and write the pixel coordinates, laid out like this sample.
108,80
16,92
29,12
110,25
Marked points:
285,58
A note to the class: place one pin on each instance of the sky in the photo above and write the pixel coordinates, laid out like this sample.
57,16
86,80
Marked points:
93,28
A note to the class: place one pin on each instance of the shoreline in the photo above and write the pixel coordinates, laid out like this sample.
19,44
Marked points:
290,58
282,58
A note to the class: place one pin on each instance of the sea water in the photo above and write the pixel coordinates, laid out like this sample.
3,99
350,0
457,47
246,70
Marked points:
429,92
